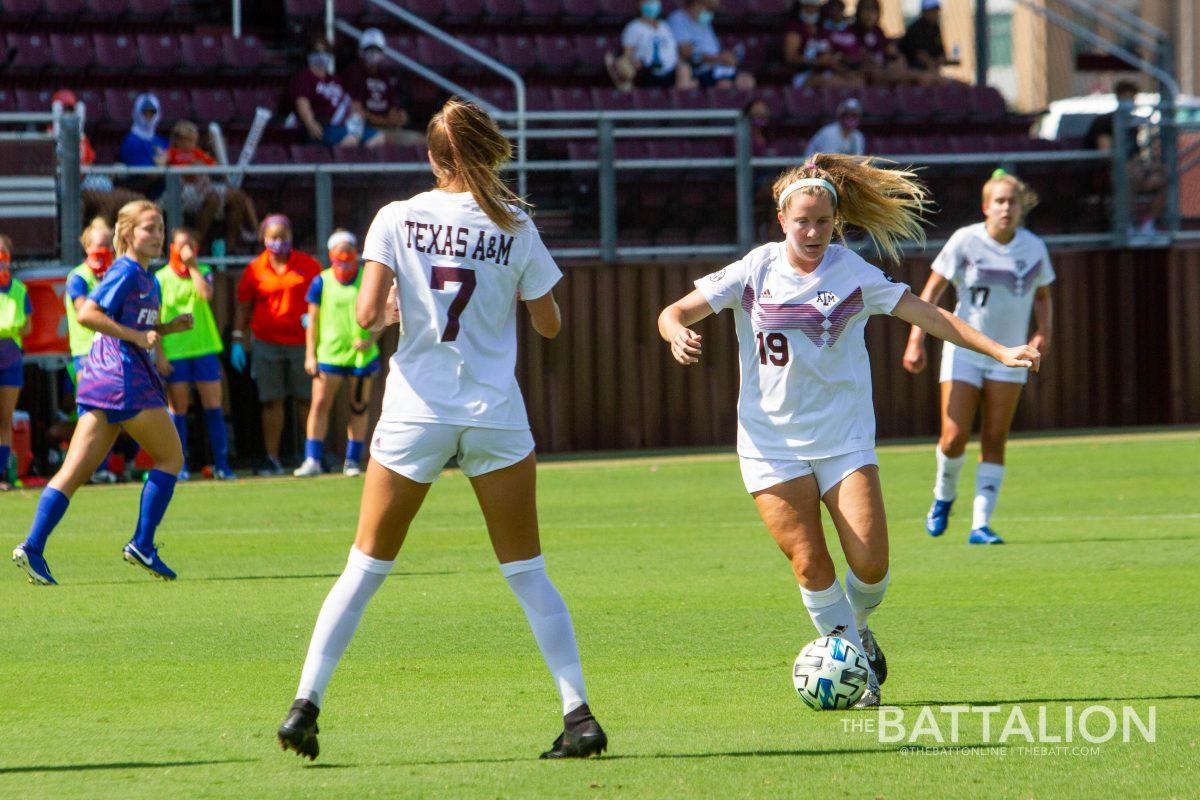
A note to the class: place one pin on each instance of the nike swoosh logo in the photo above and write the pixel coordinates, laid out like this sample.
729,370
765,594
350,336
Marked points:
147,561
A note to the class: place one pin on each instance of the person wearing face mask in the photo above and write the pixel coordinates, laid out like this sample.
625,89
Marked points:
192,356
808,50
839,30
16,320
271,299
649,54
377,92
841,136
692,27
323,106
337,348
143,146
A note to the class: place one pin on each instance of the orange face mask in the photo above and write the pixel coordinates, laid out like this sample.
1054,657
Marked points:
176,262
5,270
99,259
345,266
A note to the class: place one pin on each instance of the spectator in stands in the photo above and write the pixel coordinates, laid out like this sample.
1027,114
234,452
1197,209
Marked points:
271,297
841,136
807,49
883,63
698,45
1144,175
649,54
839,30
377,93
143,146
324,107
922,44
758,111
100,197
16,320
206,198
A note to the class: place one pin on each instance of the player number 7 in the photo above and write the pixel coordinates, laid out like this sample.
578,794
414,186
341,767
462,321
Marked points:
465,278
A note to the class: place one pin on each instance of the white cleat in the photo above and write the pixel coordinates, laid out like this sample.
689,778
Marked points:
311,468
351,469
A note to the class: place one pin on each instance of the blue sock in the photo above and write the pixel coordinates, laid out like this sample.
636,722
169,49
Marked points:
354,451
180,421
218,438
4,451
314,448
50,509
156,494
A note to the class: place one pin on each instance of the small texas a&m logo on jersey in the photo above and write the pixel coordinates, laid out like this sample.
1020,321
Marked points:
826,298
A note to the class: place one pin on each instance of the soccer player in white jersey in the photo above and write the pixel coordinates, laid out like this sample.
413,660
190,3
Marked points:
806,425
455,259
1001,273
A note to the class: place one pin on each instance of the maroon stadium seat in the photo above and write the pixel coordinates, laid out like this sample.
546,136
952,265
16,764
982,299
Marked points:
987,105
304,8
72,53
355,155
731,12
176,105
580,11
149,9
582,150
104,9
913,104
62,10
689,99
246,100
630,148
428,10
212,105
539,98
435,54
803,105
832,97
158,52
502,97
8,100
879,104
774,99
115,52
573,98
517,52
502,10
767,10
200,52
403,43
93,99
951,103
610,99
756,49
268,154
310,153
542,11
461,12
401,154
118,106
33,52
591,49
651,99
555,54
34,100
729,98
21,8
618,12
351,8
244,54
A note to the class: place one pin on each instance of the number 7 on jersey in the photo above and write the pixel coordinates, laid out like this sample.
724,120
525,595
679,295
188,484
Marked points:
465,278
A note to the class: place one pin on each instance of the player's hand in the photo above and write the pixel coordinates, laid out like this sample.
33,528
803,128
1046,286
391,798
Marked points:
237,356
914,357
1020,356
1040,342
183,322
145,339
361,344
391,310
685,347
310,365
187,254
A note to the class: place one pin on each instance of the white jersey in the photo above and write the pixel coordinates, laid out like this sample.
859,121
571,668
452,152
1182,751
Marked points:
457,278
806,377
995,282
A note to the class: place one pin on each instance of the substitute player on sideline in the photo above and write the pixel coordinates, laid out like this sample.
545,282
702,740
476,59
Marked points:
806,424
337,348
16,320
1001,273
119,388
458,257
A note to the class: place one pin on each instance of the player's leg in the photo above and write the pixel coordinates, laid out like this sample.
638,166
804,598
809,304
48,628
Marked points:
503,472
8,404
93,438
960,401
1000,400
359,399
214,423
179,399
325,386
152,429
269,370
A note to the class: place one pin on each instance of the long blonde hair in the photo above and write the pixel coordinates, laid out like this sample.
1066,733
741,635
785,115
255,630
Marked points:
467,146
1027,196
127,219
888,204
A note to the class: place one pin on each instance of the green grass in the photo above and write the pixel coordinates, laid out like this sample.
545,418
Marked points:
688,619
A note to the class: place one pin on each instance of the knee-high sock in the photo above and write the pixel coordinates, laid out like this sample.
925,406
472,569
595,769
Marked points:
314,449
338,620
4,452
50,509
218,437
551,624
945,485
988,478
831,613
181,427
156,495
864,597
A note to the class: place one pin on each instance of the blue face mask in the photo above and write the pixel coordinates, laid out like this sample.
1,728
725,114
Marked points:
705,18
652,9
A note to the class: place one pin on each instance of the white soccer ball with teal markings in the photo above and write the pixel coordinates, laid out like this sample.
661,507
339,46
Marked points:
830,673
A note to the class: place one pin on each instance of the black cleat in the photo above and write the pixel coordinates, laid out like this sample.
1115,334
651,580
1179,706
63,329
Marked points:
874,655
299,730
582,736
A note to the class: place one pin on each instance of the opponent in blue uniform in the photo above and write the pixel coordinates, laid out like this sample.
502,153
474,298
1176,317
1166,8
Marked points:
119,388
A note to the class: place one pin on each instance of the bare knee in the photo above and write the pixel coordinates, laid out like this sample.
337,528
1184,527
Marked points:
872,570
953,442
813,571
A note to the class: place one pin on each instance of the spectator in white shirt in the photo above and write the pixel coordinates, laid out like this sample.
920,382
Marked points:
649,55
698,45
841,136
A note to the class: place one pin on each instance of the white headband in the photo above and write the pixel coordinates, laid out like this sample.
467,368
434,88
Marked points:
800,184
340,238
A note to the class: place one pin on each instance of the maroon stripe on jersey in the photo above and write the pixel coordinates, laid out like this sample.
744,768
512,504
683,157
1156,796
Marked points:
822,330
1017,284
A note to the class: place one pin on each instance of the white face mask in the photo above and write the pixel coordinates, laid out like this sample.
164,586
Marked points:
373,57
810,17
321,61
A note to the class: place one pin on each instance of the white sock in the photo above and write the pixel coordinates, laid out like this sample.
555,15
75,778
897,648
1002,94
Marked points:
551,624
945,485
864,597
988,478
338,620
831,613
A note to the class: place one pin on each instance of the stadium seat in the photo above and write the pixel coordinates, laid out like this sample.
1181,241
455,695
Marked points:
577,12
591,49
462,12
556,55
728,98
310,154
502,11
951,103
72,52
879,104
731,12
403,43
804,106
26,9
913,104
651,99
304,8
158,52
583,150
243,54
115,53
32,53
539,98
176,105
212,105
764,11
436,54
756,49
35,101
93,99
428,10
148,10
100,10
619,12
571,98
610,99
774,100
689,99
200,52
62,10
269,154
354,155
118,105
401,154
832,97
502,97
541,11
987,105
8,100
518,52
246,100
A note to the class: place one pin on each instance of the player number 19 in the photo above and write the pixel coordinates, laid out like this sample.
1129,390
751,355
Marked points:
772,348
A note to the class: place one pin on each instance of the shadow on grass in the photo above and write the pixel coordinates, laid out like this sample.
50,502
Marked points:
1021,700
848,751
119,765
258,578
1100,539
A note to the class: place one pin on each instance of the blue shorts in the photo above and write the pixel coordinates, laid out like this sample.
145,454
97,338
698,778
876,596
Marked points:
113,415
366,369
201,369
332,135
15,375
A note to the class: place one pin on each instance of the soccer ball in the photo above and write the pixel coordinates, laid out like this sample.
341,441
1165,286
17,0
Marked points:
830,673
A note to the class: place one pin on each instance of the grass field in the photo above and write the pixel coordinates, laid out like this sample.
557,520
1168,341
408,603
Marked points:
688,620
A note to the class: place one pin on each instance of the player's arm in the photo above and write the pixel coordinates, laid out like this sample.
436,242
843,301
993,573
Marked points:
1043,318
93,317
914,353
545,315
183,322
371,308
944,325
307,119
312,332
674,326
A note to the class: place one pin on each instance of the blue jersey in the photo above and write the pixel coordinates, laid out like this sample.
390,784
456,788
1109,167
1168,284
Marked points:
120,375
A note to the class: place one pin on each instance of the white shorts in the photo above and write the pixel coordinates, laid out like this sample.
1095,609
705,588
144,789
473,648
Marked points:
419,450
973,368
763,473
